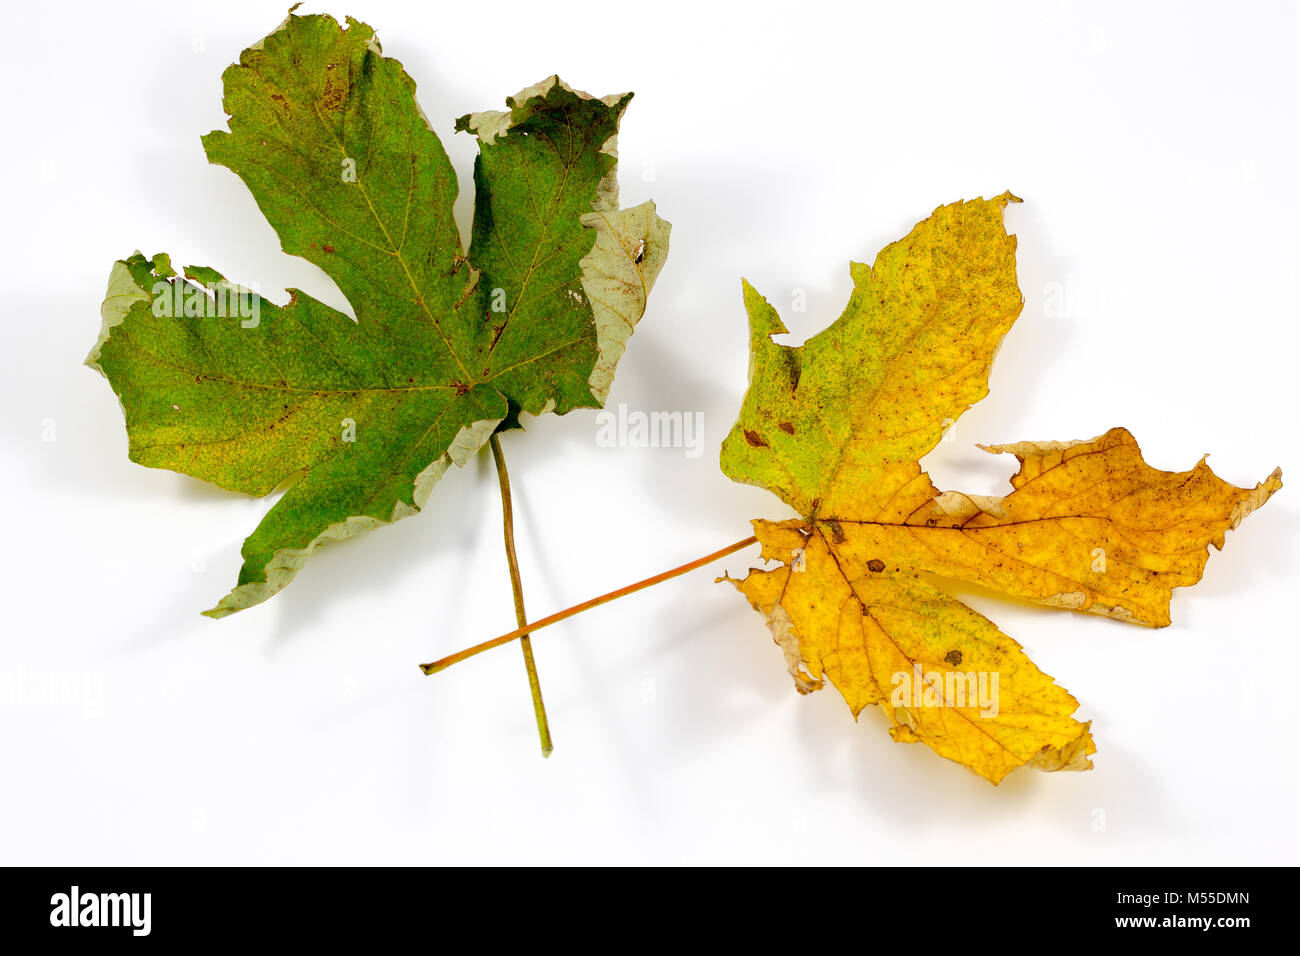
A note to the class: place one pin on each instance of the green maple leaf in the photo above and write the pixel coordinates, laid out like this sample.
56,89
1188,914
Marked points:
364,416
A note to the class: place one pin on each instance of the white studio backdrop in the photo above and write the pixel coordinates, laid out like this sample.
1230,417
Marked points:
1155,147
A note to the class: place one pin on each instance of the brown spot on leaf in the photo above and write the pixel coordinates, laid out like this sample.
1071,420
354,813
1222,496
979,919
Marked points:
755,439
460,387
837,533
786,427
953,658
336,90
876,565
327,247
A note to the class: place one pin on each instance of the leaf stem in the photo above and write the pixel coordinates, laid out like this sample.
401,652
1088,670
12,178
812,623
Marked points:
508,520
525,629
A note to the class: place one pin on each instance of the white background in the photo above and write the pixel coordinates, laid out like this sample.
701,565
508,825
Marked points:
1155,146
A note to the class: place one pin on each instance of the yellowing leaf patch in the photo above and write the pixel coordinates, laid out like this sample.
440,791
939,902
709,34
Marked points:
836,428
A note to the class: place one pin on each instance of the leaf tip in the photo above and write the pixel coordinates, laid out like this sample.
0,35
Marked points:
764,321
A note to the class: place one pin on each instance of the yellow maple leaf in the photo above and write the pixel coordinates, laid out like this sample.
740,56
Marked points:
836,428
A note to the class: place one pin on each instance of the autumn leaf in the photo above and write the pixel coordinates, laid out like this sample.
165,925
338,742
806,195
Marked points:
836,428
361,418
